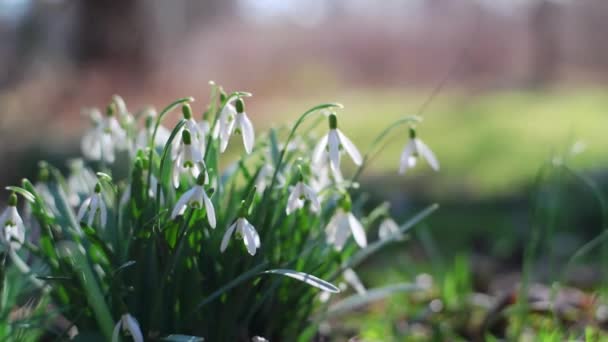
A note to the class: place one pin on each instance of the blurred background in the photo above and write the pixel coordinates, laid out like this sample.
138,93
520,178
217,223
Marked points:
509,90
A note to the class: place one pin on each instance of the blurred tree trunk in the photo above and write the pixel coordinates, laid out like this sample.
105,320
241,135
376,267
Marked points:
544,27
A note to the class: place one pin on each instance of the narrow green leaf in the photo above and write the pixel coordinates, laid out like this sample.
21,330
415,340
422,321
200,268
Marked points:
26,194
306,278
353,302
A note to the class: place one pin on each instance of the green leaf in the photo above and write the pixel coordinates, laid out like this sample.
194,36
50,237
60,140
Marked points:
353,302
306,278
26,194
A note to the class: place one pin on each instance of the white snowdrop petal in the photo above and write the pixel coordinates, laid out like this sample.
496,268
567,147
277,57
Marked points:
247,131
405,157
317,154
226,237
83,209
132,326
210,210
249,237
428,155
350,148
333,143
357,230
182,203
116,330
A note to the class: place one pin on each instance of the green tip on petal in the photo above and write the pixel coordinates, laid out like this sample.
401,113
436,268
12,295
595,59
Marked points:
186,137
12,200
240,105
412,133
97,188
333,121
187,111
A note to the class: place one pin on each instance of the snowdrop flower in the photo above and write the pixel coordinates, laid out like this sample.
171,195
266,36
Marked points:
100,142
92,206
145,135
258,339
196,130
188,159
353,280
247,231
121,109
342,224
389,229
298,197
195,198
265,176
331,144
233,119
81,181
414,148
130,326
13,230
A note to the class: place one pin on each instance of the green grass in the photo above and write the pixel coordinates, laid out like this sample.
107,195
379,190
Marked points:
488,144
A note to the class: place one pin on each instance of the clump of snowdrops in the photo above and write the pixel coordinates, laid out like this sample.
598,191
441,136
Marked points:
159,236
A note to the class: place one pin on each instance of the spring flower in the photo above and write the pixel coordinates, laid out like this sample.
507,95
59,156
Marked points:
188,159
13,230
389,229
145,135
235,120
80,182
332,143
92,206
414,148
195,198
121,109
342,224
130,326
353,280
197,133
298,197
258,339
100,142
247,231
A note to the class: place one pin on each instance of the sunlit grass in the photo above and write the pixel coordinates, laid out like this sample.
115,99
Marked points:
487,144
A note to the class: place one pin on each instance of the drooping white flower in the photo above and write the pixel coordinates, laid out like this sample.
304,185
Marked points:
353,280
298,197
389,229
92,206
188,159
80,182
258,339
13,229
342,225
233,119
195,198
414,148
247,231
101,141
197,133
121,109
145,135
331,144
129,326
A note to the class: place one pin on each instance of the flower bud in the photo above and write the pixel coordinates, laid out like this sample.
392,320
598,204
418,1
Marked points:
12,200
333,121
187,111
